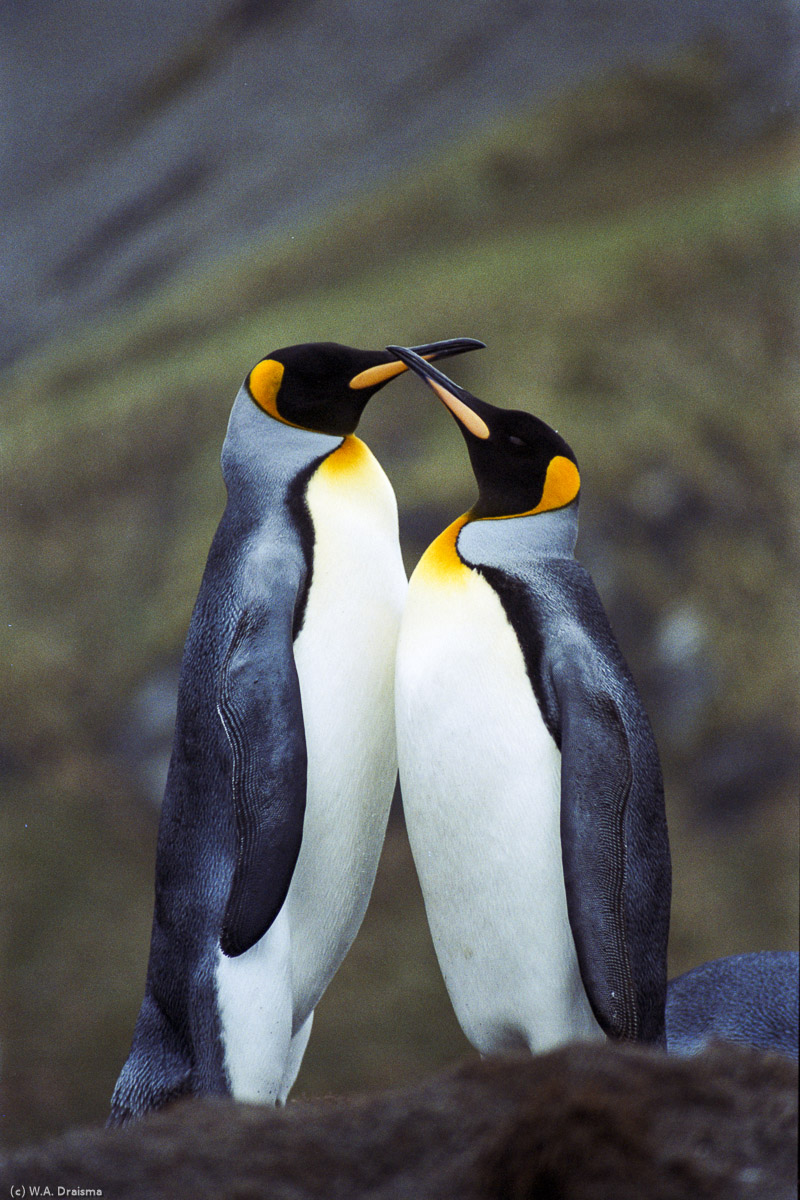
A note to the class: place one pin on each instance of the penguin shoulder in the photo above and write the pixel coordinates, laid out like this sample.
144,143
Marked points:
580,638
265,574
272,563
539,598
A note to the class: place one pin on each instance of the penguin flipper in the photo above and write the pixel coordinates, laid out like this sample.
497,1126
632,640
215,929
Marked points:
596,778
261,712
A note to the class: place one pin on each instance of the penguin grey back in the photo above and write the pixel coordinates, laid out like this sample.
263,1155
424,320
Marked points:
751,999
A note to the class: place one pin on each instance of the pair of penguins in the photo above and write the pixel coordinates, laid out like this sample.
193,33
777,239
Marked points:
531,781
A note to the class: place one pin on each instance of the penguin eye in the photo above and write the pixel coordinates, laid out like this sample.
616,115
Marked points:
516,441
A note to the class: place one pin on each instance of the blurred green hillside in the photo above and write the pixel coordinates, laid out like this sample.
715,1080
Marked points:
633,268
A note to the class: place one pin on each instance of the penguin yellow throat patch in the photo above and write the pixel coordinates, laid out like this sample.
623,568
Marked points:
442,563
353,473
350,459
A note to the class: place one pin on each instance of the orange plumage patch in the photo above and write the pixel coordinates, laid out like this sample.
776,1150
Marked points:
264,383
561,485
441,562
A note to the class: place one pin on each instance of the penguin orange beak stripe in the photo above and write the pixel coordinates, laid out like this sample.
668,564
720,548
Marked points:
469,419
374,376
382,373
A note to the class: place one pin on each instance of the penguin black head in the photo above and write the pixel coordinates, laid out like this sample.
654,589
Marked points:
324,387
521,465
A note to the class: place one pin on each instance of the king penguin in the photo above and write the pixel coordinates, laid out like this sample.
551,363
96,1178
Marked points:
751,999
530,778
284,761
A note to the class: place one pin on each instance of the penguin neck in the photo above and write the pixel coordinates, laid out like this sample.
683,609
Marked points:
261,456
510,542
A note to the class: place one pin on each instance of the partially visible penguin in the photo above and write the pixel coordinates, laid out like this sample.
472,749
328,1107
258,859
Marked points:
283,763
751,999
530,777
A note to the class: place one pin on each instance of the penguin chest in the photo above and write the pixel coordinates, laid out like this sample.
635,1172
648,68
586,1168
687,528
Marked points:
345,654
481,781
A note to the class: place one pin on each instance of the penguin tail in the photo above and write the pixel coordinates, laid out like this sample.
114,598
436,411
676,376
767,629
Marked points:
157,1069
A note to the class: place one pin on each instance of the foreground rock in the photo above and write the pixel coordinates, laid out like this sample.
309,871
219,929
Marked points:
593,1122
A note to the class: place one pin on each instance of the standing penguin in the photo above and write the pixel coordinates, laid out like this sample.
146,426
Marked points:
531,781
284,762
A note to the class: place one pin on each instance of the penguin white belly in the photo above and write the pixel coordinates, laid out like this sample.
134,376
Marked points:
345,656
480,776
254,1000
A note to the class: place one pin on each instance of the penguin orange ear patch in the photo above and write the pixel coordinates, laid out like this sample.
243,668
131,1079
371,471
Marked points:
562,482
264,383
561,485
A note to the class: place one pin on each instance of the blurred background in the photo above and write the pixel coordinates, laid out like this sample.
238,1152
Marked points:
607,194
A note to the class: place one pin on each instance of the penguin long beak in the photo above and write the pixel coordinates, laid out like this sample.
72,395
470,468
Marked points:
383,372
458,400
